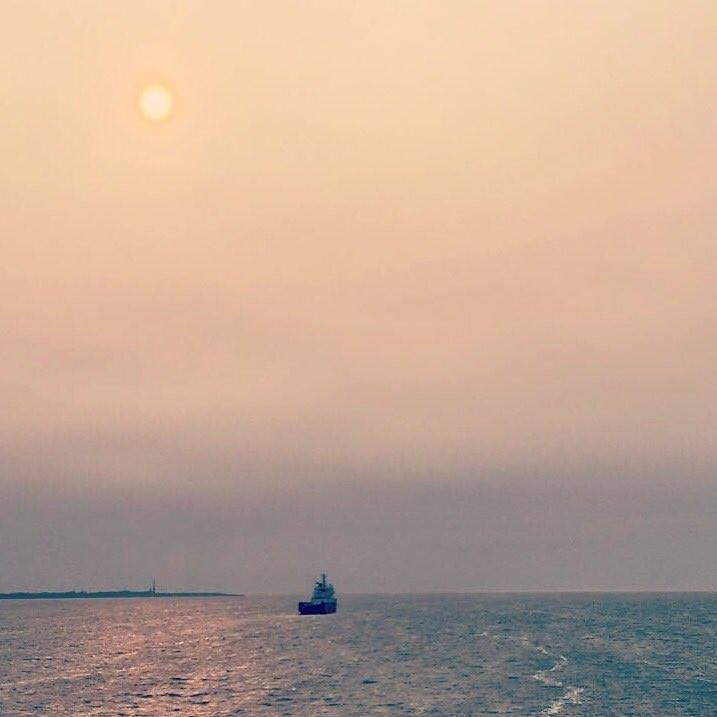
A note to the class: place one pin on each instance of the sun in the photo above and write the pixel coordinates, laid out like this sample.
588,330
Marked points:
155,102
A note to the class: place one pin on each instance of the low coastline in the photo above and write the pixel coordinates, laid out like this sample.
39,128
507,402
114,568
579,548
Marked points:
82,594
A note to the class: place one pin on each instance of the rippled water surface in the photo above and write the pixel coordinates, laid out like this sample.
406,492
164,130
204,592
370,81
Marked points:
423,655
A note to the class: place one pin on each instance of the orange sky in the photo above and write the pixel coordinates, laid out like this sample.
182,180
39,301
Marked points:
376,240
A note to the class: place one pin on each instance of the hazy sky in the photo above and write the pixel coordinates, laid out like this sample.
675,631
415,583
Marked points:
420,293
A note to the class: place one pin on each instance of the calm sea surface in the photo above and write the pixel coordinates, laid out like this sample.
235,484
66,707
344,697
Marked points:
404,655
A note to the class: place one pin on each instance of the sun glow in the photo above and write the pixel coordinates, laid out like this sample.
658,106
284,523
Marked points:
155,102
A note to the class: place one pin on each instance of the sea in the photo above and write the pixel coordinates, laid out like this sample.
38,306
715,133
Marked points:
476,654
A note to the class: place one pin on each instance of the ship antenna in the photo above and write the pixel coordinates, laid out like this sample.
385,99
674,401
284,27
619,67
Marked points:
154,587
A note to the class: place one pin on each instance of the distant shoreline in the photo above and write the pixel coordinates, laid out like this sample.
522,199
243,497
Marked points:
81,594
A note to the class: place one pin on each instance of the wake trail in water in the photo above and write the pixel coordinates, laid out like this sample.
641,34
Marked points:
549,679
572,696
546,676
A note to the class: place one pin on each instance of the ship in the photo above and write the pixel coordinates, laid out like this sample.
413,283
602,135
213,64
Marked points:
323,601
